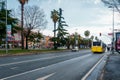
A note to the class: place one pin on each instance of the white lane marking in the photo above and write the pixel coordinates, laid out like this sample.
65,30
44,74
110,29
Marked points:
90,71
39,69
22,73
34,60
14,68
45,77
23,61
15,58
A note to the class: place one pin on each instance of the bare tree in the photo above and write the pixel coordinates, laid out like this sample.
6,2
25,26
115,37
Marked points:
34,18
112,3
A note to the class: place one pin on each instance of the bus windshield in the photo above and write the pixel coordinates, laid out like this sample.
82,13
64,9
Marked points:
96,43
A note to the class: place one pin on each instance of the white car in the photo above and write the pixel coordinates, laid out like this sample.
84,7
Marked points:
75,49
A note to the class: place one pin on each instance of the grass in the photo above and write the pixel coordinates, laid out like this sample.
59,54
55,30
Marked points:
22,52
19,51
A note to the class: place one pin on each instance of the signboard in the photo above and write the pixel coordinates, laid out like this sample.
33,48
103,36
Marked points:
8,30
117,41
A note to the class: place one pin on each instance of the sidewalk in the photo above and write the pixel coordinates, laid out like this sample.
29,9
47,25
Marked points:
112,68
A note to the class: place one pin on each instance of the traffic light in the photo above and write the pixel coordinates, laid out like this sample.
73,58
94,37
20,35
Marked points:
100,34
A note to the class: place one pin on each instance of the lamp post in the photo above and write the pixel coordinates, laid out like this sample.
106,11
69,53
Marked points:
6,30
112,28
113,32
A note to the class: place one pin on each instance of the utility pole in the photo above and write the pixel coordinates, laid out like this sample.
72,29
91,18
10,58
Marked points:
6,30
112,6
113,32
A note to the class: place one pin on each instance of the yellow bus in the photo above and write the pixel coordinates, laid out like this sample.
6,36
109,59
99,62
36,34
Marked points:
98,47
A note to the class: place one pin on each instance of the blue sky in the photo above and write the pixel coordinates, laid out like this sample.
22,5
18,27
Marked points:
80,15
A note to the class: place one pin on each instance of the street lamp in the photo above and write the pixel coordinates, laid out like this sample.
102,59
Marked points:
113,33
6,29
112,28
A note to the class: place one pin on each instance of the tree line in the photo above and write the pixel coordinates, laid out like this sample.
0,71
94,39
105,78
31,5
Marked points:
32,17
63,38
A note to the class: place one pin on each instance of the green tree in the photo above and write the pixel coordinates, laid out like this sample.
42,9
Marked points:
60,40
54,17
87,33
96,38
92,37
61,31
87,41
72,40
10,21
22,2
35,37
68,41
79,41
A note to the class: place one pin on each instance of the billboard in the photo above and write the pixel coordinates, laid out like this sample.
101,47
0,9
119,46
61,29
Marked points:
117,44
8,30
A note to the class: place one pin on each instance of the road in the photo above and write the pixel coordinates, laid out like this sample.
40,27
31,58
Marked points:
51,66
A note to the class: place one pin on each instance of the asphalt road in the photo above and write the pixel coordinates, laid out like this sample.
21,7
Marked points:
50,66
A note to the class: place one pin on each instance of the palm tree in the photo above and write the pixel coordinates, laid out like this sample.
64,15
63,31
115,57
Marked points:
54,17
87,33
87,41
22,2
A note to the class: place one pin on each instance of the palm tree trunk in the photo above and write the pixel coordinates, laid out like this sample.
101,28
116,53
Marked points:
26,42
54,35
22,35
54,29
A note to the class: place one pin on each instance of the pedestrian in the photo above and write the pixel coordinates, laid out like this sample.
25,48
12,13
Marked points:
108,49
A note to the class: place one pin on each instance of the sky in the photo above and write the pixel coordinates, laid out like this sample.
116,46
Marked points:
80,15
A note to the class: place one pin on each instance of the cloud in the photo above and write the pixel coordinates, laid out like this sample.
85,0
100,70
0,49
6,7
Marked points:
97,1
59,1
47,32
106,18
49,1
